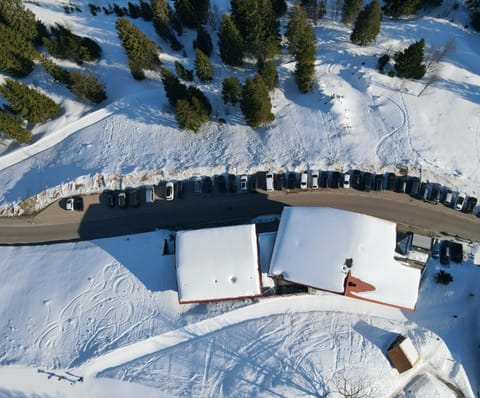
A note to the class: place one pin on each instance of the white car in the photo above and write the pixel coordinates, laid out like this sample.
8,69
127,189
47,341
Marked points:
244,183
74,204
314,179
269,181
149,194
346,180
304,180
169,191
460,201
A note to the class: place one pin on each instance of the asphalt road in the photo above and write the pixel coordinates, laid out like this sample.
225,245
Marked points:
55,224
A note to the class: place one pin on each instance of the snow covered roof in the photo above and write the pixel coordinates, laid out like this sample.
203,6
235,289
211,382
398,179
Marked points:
266,242
314,245
217,263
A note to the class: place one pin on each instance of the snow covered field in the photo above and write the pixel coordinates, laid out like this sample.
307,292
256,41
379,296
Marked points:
355,117
109,309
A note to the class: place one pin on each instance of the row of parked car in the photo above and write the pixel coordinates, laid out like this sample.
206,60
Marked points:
447,250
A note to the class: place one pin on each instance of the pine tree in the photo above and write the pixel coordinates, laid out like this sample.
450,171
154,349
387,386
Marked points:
203,66
350,10
266,69
174,89
87,87
314,9
367,25
12,126
203,41
190,114
183,73
230,42
192,13
400,8
59,74
14,15
409,63
231,90
163,20
296,23
255,102
279,7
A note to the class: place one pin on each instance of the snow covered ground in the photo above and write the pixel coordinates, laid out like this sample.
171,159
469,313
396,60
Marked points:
354,117
108,309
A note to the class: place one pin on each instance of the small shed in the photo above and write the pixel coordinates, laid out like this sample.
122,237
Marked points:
422,242
402,354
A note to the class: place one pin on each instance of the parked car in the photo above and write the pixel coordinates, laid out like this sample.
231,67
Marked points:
390,181
413,186
447,197
197,185
244,183
109,198
434,193
253,183
220,185
445,252
314,179
346,180
279,181
74,204
232,183
170,190
378,182
304,180
122,200
149,197
470,205
436,250
400,184
334,180
456,252
323,179
292,180
134,197
356,179
367,181
422,191
269,181
207,184
460,201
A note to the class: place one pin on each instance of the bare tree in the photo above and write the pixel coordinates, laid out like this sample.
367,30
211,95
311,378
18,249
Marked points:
432,64
351,386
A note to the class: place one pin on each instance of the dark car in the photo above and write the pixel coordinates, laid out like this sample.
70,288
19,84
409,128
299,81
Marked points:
434,193
367,181
279,181
470,205
413,186
456,252
232,183
220,184
252,183
422,191
109,198
323,179
390,181
400,184
378,182
445,253
122,199
292,180
356,179
134,198
207,184
335,179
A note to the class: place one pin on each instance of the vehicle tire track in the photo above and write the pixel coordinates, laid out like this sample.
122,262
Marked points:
299,137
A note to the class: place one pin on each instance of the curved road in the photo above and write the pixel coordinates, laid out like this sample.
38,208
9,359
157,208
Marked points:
194,211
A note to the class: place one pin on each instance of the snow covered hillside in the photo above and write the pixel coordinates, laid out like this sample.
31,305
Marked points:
109,309
354,117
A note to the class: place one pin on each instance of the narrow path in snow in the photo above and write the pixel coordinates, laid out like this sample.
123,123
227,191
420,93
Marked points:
264,308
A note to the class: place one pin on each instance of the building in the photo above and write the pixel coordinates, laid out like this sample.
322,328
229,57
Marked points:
345,253
402,354
217,264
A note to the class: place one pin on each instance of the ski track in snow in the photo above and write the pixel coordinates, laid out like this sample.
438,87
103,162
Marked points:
162,342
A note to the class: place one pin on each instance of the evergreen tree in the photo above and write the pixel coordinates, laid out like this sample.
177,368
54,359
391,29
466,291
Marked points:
21,20
400,8
16,53
87,87
230,42
258,26
279,7
12,126
142,52
231,90
296,24
190,114
314,9
474,7
59,74
192,13
267,71
367,24
146,11
203,66
183,73
203,41
195,92
174,89
163,20
28,102
409,63
255,102
350,10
